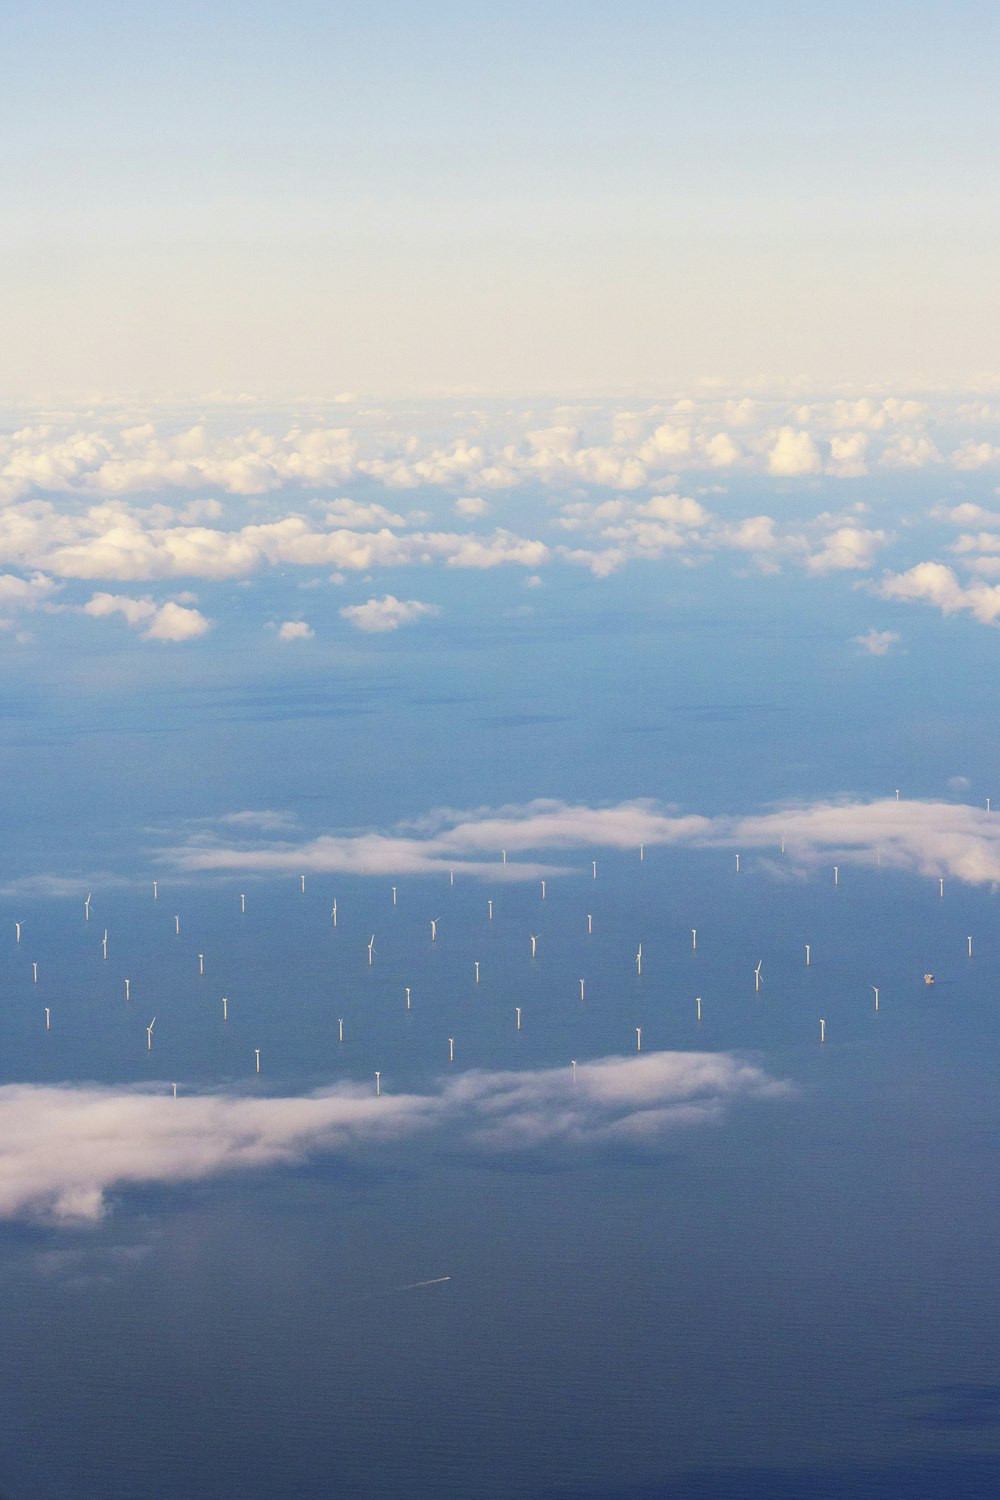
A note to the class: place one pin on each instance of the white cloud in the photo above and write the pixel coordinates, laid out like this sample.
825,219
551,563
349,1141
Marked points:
678,509
295,630
64,1150
966,514
136,611
975,455
935,583
370,517
26,593
907,452
164,622
794,453
877,642
720,451
176,622
847,547
929,837
387,613
847,456
473,452
471,505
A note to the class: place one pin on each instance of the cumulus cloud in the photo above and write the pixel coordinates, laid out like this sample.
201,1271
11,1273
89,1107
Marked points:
794,453
370,517
471,505
388,613
847,456
966,514
163,622
26,593
64,1150
876,642
471,453
295,630
935,583
847,547
975,455
679,510
909,452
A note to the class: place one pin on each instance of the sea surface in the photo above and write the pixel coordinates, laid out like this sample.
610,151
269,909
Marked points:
796,1298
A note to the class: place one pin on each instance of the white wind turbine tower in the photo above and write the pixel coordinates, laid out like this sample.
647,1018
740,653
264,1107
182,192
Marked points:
86,907
149,1035
756,976
334,912
534,942
638,960
18,926
434,928
371,949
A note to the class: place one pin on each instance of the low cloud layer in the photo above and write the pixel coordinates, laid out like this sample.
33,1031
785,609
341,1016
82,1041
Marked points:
930,838
64,1150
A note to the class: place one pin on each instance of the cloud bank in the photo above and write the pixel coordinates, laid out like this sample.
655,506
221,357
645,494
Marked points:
929,838
63,1150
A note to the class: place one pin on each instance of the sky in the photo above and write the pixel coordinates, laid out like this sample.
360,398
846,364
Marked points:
562,199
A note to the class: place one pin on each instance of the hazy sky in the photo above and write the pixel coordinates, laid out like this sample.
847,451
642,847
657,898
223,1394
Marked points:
400,197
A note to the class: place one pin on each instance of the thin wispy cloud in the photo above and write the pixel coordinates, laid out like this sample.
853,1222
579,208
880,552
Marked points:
876,642
925,837
65,1150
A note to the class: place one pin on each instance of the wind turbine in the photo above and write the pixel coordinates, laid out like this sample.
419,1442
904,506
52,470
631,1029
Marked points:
756,976
638,960
434,928
534,942
86,907
149,1035
371,949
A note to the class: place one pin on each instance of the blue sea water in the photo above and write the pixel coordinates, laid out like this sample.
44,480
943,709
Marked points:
798,1300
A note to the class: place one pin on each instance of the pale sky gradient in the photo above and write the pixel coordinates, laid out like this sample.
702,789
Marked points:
396,197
